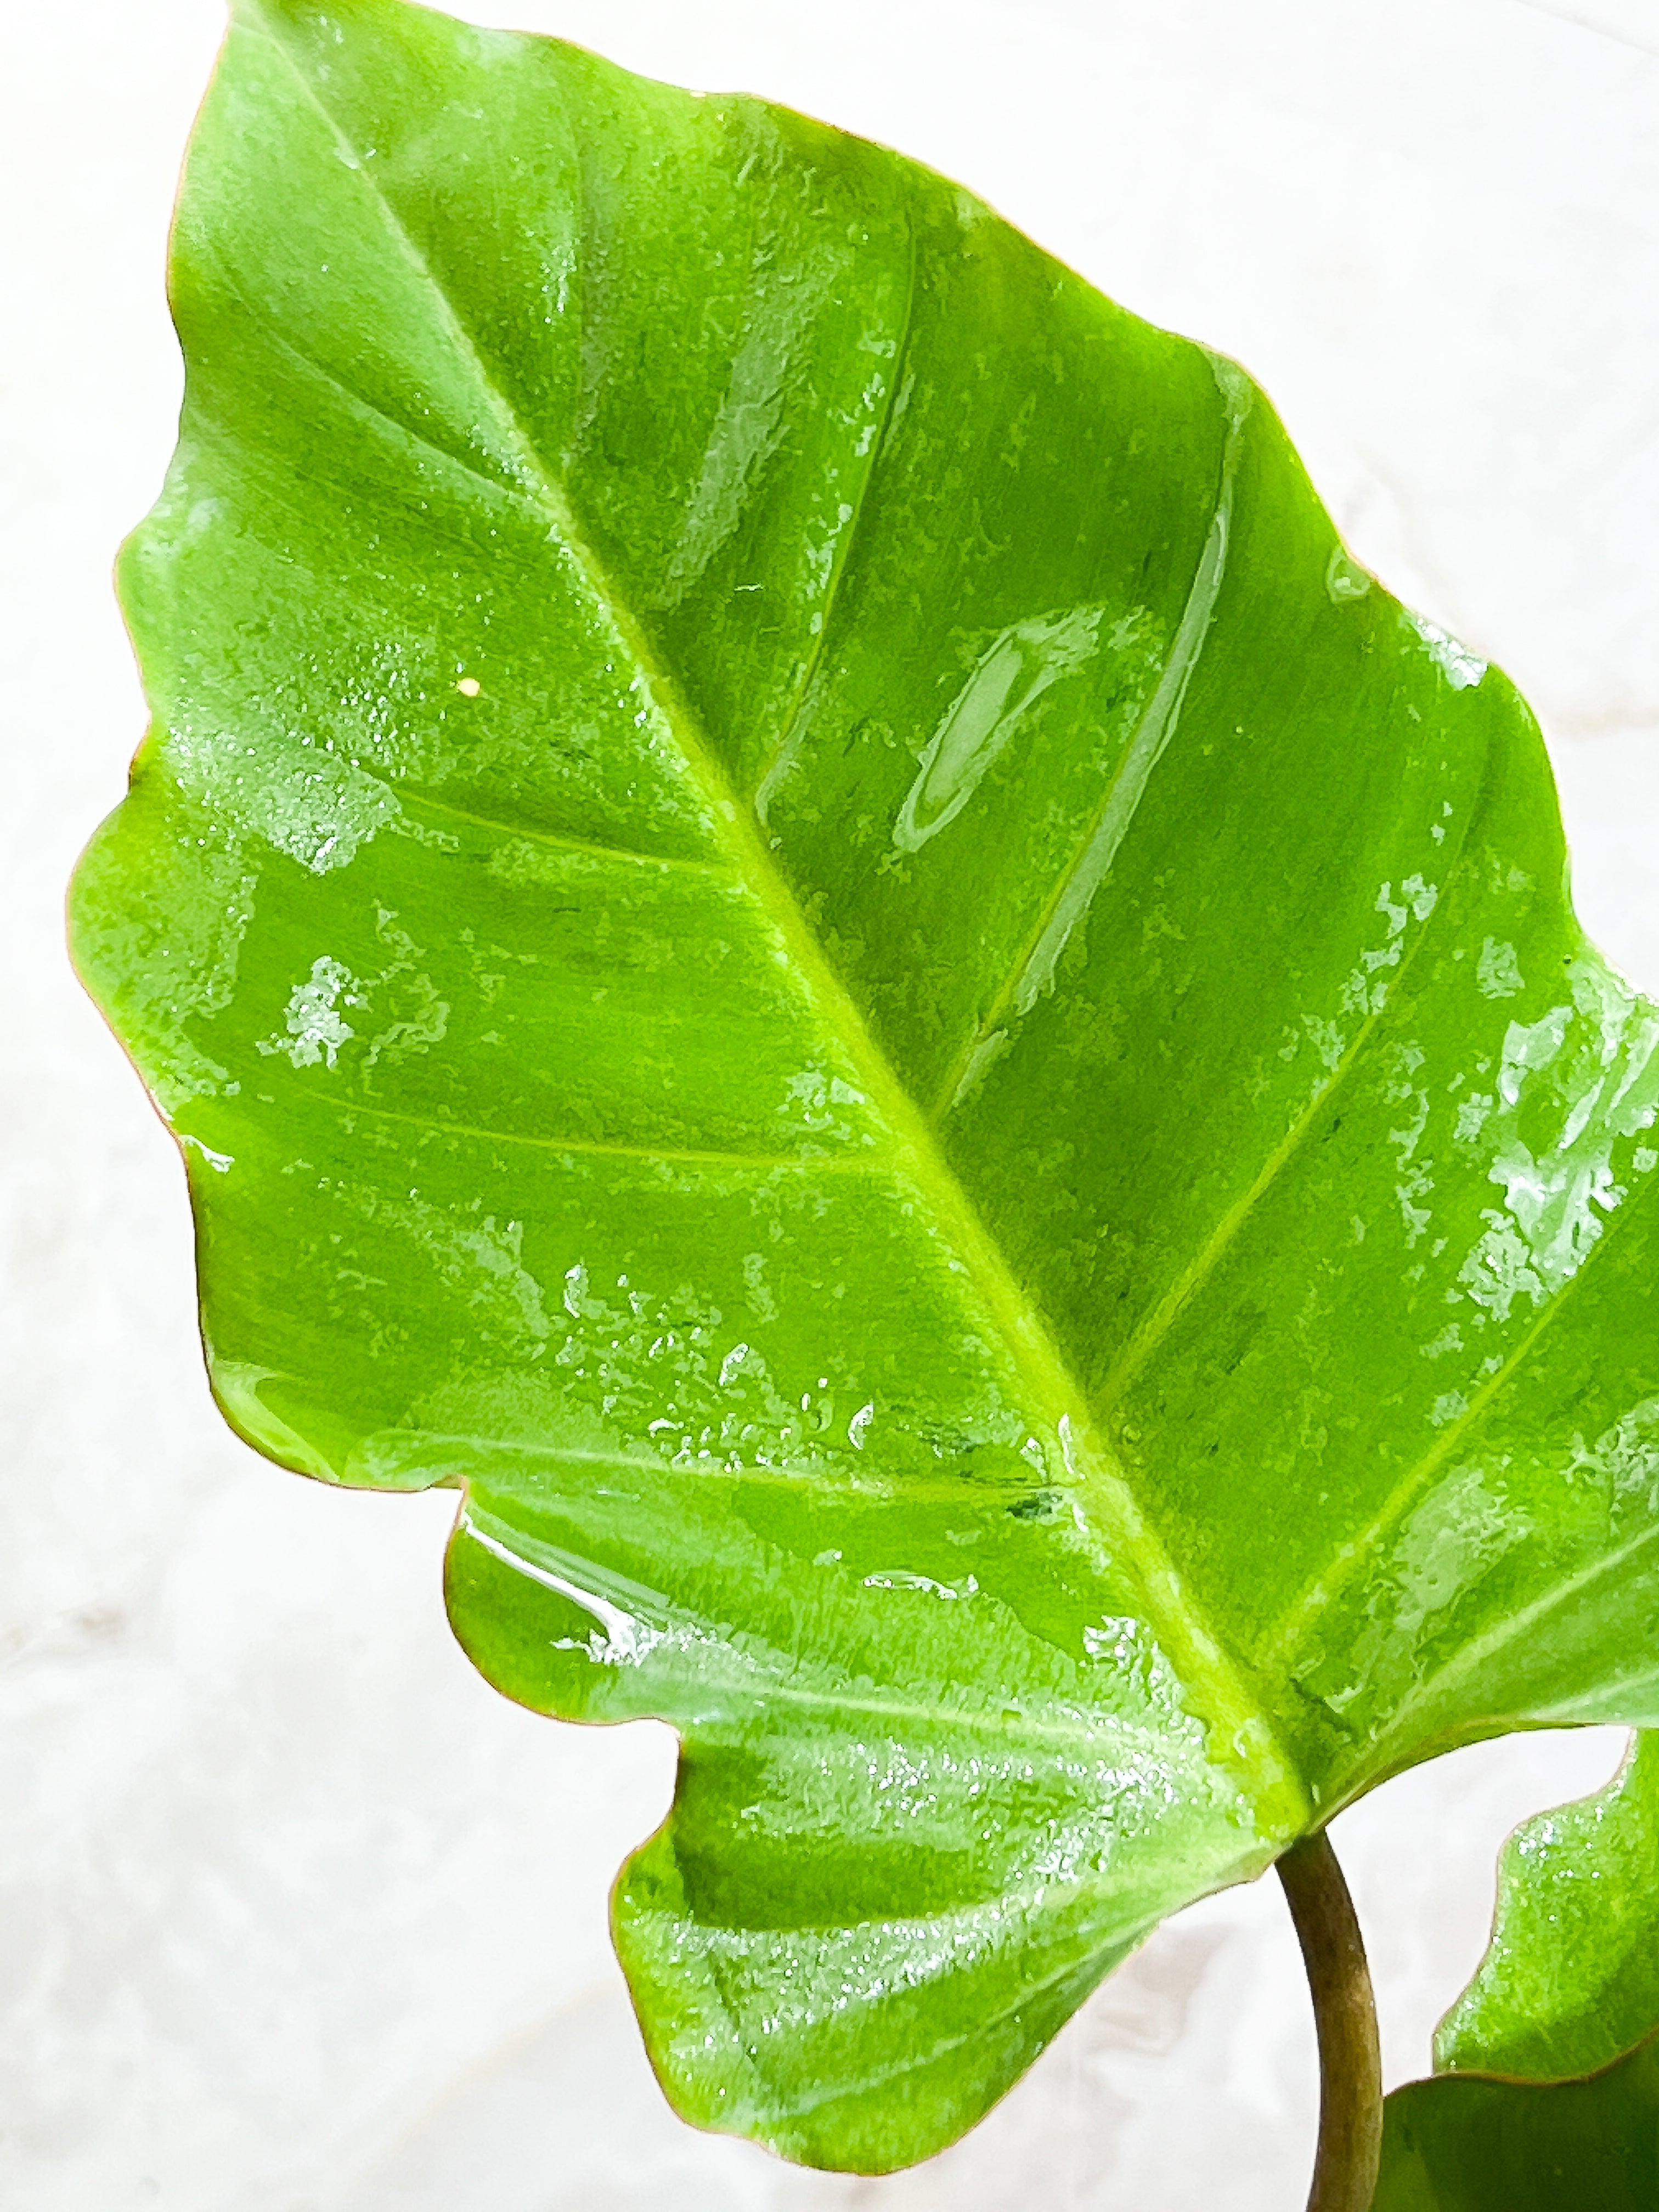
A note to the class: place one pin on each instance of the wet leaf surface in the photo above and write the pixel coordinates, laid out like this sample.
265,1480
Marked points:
803,926
1571,1978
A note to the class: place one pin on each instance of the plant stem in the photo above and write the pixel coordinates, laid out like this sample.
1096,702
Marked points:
1345,2015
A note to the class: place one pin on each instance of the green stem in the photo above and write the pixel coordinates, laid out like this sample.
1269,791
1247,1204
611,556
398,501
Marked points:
1345,2014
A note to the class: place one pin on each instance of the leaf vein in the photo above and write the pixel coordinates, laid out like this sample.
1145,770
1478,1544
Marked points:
874,1162
1319,1593
1079,1728
556,839
1475,1653
781,752
1073,892
1161,1319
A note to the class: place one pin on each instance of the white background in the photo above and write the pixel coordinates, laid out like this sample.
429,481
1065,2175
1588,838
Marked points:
299,1916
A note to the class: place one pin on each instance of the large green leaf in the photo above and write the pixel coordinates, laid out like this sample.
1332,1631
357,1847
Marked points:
1571,1978
803,925
1470,2143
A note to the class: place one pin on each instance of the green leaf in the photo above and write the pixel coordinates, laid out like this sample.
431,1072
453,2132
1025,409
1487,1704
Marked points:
802,924
1571,1978
1569,1988
1470,2143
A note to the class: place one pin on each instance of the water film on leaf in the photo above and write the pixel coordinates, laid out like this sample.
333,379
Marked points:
803,927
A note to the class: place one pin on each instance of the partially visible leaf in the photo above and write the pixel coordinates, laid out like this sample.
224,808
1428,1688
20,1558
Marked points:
1571,1978
1569,1988
804,926
1468,2142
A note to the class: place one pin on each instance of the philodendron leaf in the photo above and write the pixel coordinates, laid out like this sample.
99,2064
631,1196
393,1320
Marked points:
803,926
1571,1978
1472,2143
1569,1988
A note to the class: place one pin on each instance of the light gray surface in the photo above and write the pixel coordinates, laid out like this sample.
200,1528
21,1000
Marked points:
298,1916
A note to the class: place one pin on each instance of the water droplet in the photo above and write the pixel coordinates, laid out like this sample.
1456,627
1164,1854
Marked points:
1344,579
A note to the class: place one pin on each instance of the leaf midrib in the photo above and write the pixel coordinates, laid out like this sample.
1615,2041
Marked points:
1243,1738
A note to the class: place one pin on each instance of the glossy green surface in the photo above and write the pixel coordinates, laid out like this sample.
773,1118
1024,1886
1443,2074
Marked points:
802,924
1463,2144
1572,1976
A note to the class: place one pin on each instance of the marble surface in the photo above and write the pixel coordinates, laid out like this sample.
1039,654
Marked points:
298,1917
